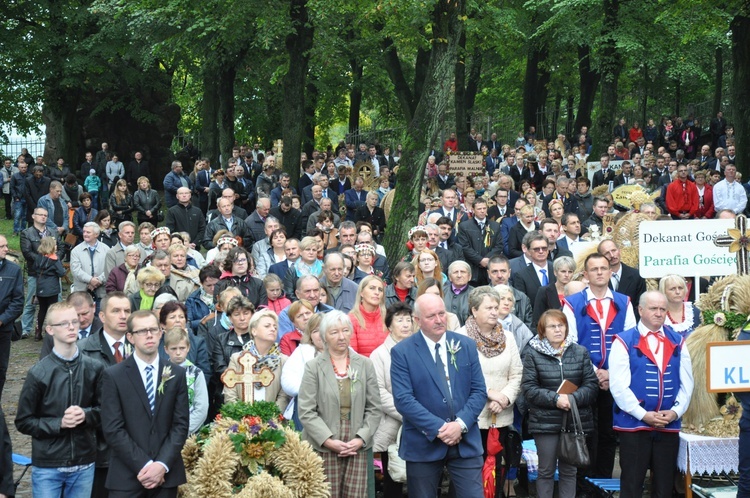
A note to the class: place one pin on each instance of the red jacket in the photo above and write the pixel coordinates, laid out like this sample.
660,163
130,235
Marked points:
707,211
682,197
366,339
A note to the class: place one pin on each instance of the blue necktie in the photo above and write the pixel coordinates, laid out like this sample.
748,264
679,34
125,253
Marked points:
150,391
545,280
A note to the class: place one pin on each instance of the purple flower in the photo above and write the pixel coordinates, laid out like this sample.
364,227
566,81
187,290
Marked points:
254,430
234,428
272,425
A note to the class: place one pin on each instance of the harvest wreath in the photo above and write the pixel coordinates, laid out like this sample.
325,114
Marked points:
249,451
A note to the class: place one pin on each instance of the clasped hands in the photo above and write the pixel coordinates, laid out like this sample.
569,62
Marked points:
450,433
152,475
342,448
660,419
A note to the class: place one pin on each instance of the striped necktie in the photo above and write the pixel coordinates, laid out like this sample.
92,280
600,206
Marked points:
150,391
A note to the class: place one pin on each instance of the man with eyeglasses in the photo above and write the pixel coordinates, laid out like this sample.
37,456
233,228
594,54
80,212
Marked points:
539,273
145,416
30,240
237,211
88,322
62,425
307,287
594,316
11,304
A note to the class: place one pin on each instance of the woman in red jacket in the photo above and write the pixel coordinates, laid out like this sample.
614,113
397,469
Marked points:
368,318
706,209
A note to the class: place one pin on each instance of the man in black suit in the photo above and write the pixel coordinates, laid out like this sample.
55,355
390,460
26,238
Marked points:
539,273
307,177
494,143
145,416
480,240
717,128
519,172
449,208
502,208
570,204
625,280
604,175
444,180
551,230
137,168
626,173
448,249
475,145
499,273
107,344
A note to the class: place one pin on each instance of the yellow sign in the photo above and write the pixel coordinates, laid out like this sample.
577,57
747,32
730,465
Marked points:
469,164
621,195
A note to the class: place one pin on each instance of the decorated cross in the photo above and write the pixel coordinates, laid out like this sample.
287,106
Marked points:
246,377
737,240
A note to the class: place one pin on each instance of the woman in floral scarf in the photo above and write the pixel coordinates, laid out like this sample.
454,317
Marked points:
501,366
263,326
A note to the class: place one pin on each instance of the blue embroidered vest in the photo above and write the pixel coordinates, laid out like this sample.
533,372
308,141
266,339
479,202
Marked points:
589,331
655,390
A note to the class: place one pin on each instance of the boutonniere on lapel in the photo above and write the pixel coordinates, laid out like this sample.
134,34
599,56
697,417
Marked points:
353,376
166,376
453,347
128,350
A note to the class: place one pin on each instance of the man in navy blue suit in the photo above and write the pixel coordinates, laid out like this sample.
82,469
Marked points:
439,390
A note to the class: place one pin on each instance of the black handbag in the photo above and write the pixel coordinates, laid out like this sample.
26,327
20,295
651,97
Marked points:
572,447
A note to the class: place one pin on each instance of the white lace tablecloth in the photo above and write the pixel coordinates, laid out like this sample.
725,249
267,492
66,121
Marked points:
708,454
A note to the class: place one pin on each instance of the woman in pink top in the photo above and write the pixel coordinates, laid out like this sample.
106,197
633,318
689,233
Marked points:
368,318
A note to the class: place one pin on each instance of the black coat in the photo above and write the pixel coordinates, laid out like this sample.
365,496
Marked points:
187,219
515,239
7,487
448,256
546,299
251,287
291,221
48,274
543,374
601,179
528,282
632,285
135,435
376,219
472,241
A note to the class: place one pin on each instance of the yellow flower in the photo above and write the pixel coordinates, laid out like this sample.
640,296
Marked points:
740,240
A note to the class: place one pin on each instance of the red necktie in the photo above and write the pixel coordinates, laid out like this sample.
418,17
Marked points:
659,339
118,354
600,308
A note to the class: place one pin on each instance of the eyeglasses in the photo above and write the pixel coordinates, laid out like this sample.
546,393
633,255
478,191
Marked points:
240,261
152,285
67,324
539,249
555,326
152,331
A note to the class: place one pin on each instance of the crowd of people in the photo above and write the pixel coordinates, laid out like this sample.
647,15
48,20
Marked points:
476,328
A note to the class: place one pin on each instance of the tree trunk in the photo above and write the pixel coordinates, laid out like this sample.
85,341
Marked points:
210,118
530,97
63,129
718,79
311,104
589,82
425,125
472,87
569,122
740,27
463,124
298,45
646,87
396,74
555,116
355,95
227,74
610,73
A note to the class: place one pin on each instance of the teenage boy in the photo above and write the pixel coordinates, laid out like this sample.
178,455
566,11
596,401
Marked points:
59,409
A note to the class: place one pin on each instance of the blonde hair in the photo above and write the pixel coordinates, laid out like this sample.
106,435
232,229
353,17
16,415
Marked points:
175,335
355,312
47,246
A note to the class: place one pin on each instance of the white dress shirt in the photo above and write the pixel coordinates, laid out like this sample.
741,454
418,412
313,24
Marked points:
606,303
729,196
142,370
619,377
111,343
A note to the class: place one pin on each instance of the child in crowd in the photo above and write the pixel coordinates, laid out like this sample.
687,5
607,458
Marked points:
93,185
59,408
49,270
277,301
177,346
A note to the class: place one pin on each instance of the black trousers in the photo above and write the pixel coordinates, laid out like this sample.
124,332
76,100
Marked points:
145,493
391,488
8,206
605,438
99,490
4,357
643,450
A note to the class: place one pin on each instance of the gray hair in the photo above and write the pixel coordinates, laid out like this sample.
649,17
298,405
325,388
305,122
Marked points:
163,299
131,249
126,223
331,319
271,219
564,263
175,164
94,227
648,294
505,290
462,264
477,295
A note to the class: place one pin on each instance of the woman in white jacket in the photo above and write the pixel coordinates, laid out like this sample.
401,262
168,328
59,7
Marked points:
115,169
291,376
398,320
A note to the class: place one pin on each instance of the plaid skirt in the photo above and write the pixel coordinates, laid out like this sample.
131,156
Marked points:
346,476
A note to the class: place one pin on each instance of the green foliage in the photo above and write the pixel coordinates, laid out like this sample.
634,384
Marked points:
238,410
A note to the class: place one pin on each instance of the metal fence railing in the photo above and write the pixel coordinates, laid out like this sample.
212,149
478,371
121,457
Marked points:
13,147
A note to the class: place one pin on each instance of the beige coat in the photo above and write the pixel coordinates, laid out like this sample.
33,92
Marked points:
391,419
274,393
318,401
501,373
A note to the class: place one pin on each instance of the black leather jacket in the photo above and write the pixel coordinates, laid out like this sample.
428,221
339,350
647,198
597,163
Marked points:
51,386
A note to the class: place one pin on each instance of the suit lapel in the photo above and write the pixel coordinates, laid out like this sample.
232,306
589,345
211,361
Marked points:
134,375
327,367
